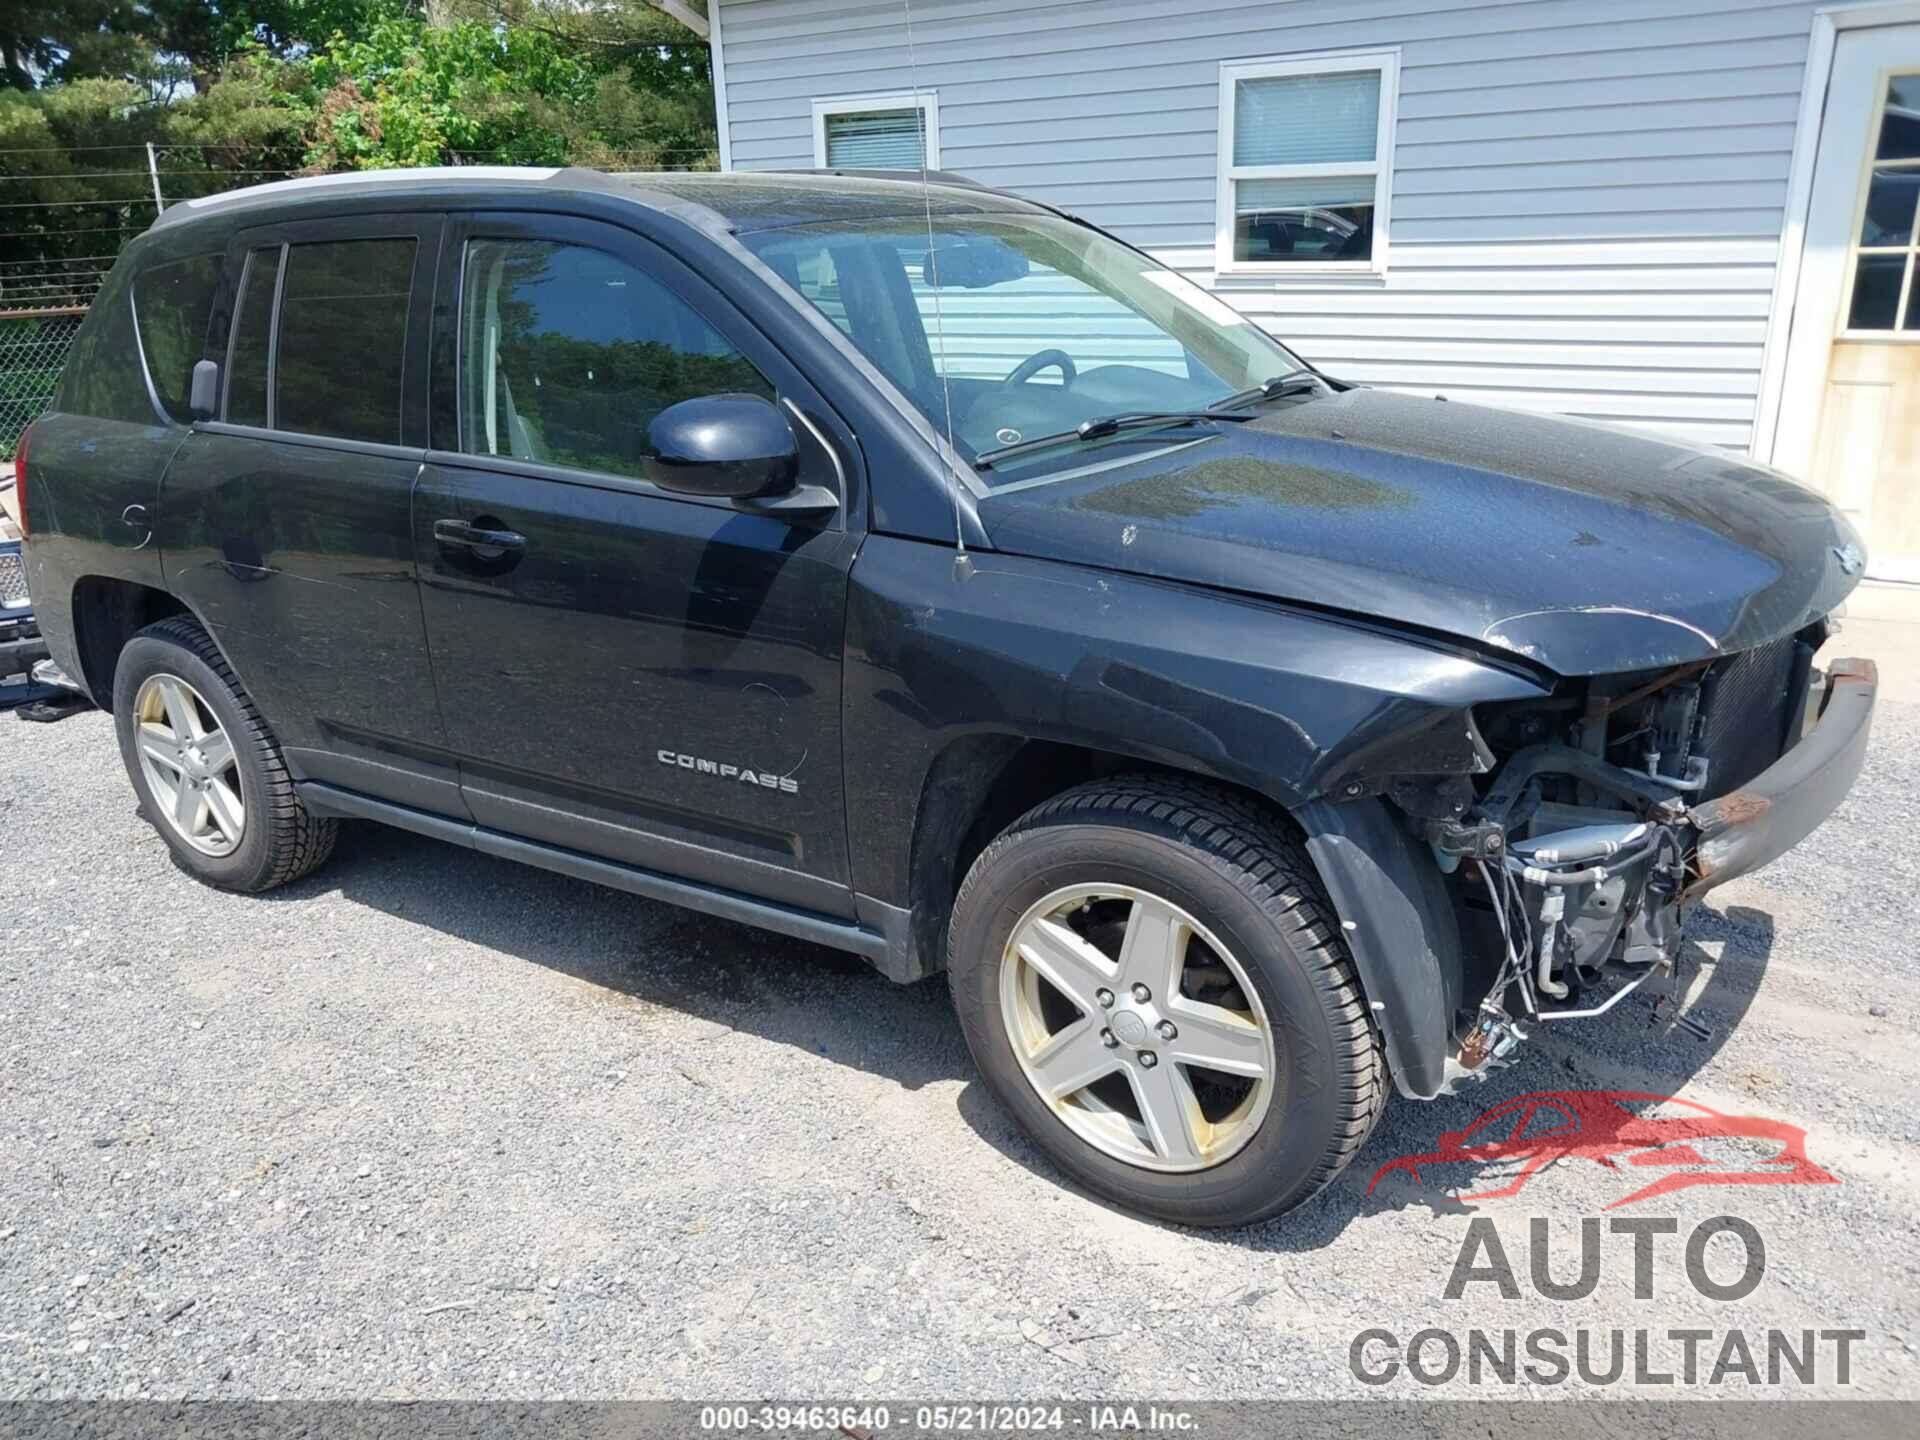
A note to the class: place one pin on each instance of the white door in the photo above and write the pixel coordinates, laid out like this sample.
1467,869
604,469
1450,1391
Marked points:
1850,415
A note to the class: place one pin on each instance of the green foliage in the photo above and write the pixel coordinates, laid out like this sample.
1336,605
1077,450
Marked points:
410,93
166,43
73,164
233,92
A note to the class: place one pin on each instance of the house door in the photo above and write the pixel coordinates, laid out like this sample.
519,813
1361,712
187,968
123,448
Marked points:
1850,416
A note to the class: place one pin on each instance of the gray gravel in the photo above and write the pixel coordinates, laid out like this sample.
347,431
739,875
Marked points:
430,1124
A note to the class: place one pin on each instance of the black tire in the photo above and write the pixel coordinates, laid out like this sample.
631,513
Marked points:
282,840
1236,868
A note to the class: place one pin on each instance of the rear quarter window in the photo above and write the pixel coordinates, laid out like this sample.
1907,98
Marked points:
102,377
173,307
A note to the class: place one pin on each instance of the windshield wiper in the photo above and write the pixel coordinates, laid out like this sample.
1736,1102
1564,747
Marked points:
1098,427
1292,382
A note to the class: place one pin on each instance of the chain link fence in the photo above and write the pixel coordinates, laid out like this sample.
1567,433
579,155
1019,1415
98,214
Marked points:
33,349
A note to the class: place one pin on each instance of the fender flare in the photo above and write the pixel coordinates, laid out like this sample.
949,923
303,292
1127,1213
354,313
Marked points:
1400,927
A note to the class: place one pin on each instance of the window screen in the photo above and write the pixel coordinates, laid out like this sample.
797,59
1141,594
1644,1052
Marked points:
876,140
568,353
252,334
173,305
343,337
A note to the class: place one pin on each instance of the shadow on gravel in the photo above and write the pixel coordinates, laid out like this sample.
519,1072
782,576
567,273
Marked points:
817,999
1636,1046
785,991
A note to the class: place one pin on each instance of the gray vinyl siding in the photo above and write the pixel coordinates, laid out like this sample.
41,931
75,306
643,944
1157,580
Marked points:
1587,199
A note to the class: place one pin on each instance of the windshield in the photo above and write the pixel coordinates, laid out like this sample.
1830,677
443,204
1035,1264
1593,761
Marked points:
1035,325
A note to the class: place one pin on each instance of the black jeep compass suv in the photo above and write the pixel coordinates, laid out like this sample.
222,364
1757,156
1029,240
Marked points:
919,570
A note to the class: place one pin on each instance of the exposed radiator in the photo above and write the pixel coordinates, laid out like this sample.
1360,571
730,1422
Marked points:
1747,706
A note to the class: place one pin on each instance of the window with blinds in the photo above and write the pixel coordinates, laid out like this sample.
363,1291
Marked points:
876,140
1305,162
876,132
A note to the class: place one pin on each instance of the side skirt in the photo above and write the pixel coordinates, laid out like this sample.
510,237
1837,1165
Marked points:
870,945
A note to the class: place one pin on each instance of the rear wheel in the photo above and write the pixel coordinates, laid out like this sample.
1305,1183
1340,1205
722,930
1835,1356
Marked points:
207,770
1150,980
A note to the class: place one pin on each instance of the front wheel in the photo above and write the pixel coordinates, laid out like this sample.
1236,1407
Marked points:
208,771
1150,979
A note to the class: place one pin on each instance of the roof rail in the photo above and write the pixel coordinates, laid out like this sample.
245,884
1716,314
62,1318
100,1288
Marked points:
306,184
934,177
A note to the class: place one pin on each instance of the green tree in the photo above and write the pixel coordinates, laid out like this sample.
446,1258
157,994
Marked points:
166,43
656,52
73,168
484,90
285,86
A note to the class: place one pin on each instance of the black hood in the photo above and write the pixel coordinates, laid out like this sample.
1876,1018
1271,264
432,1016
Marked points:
1585,548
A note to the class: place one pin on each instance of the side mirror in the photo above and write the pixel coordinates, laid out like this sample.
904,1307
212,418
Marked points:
203,391
733,447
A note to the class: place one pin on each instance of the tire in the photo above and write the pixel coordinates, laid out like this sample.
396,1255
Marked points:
1246,883
279,839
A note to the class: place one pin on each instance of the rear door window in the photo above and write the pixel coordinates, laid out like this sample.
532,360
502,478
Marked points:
173,306
342,339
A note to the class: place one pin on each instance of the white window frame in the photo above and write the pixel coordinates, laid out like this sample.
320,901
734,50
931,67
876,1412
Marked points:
927,102
1329,62
1869,167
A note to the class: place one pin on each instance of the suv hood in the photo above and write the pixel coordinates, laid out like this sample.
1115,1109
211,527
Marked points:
1585,548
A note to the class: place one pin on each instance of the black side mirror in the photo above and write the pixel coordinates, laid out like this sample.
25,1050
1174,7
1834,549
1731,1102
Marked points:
733,447
203,391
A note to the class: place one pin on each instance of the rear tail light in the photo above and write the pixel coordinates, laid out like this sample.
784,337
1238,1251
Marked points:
20,476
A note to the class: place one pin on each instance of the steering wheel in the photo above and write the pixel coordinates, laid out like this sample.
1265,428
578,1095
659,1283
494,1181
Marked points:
1040,360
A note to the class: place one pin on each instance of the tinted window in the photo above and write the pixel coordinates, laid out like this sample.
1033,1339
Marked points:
343,335
173,304
252,331
567,354
102,374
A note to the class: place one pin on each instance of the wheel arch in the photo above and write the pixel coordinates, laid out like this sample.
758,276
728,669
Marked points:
107,612
1401,928
1396,917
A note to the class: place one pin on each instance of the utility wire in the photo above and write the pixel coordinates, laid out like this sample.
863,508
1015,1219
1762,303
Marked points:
143,174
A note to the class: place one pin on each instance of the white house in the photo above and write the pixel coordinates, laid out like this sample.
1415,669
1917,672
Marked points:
1696,216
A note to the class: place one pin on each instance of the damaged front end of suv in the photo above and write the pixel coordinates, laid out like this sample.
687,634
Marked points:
1601,810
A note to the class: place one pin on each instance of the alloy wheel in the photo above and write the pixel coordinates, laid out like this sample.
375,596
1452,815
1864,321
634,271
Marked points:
189,765
1137,1027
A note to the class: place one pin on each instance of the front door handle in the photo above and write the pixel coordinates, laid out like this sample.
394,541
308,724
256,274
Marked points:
477,537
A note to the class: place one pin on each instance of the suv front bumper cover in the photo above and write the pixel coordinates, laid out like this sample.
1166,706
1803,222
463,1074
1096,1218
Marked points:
1786,802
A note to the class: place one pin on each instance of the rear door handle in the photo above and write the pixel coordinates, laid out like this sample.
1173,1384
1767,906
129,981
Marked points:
477,537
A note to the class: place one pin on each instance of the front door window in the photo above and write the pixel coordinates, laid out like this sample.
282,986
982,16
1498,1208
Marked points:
568,354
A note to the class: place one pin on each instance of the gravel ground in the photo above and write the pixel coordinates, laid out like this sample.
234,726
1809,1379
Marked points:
431,1124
